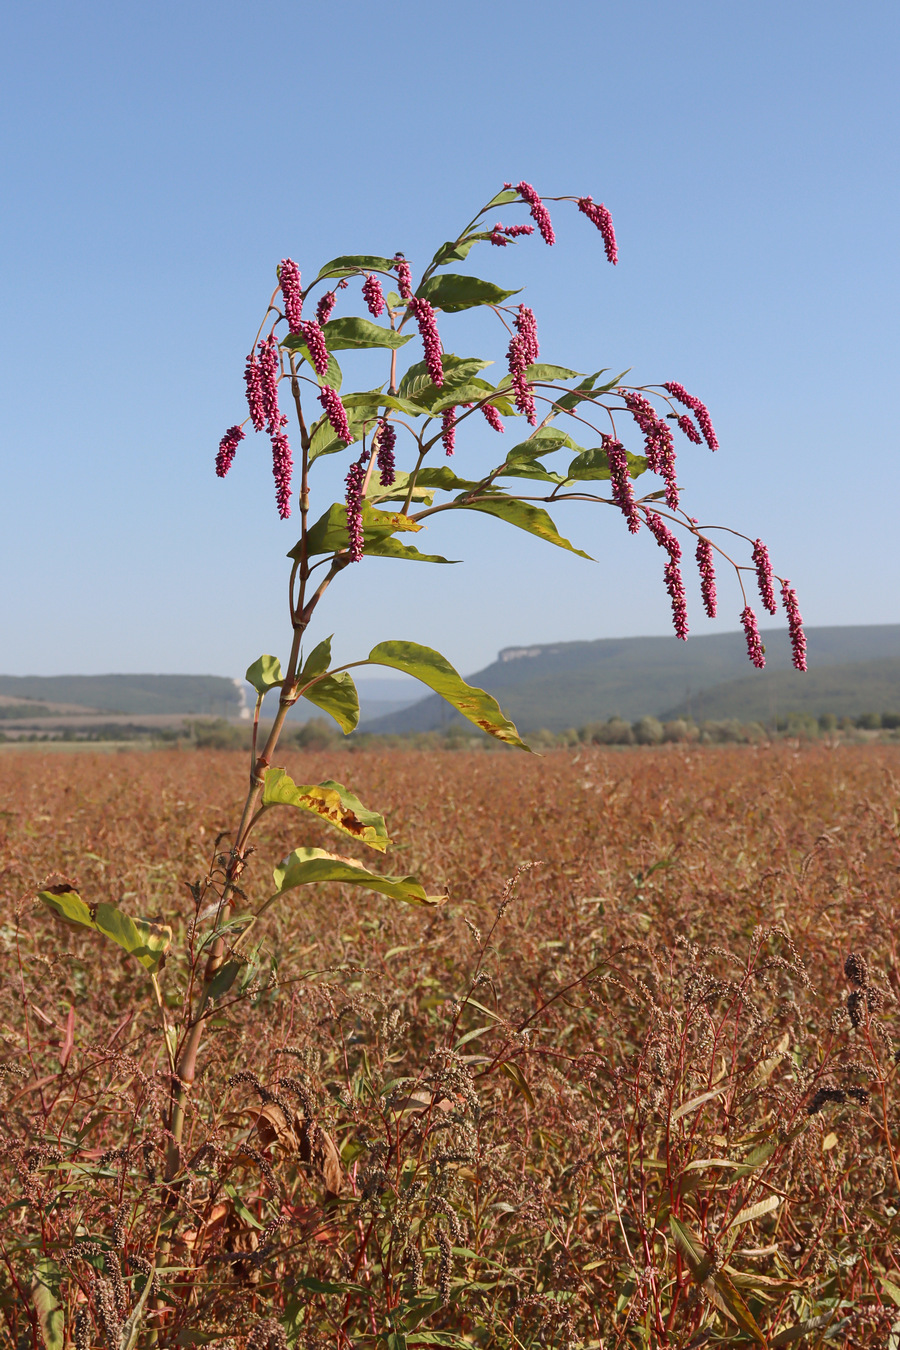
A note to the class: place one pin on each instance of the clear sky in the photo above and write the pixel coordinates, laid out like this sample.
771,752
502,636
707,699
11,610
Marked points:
158,161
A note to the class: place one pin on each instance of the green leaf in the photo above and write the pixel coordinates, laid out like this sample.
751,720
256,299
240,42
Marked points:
532,469
129,1332
376,399
502,199
45,1282
593,464
729,1300
392,548
457,250
452,291
471,392
515,1074
317,662
534,519
329,534
353,332
145,941
356,262
695,1103
417,384
329,801
544,441
306,866
223,979
264,674
324,441
336,695
579,394
751,1212
333,375
432,669
444,478
544,372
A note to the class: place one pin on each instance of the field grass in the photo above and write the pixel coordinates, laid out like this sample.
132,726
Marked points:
616,1091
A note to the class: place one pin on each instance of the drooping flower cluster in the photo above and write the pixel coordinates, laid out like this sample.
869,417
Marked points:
324,307
336,413
373,295
289,277
315,343
404,277
522,391
689,429
675,587
501,234
227,446
253,381
539,213
387,440
492,416
526,327
707,575
663,535
658,442
795,625
622,491
423,313
755,649
679,392
598,215
269,372
764,576
354,484
282,465
448,431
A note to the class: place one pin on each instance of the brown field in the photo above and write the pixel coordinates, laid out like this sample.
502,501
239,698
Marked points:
644,1106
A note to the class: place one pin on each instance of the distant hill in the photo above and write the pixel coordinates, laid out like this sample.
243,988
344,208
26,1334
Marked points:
204,695
572,683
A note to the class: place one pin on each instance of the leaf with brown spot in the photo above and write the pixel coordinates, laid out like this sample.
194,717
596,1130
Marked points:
331,802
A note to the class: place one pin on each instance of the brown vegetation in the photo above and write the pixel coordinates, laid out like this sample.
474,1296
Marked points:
628,1097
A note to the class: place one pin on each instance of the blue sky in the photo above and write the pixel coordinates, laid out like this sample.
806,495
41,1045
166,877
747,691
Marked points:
159,160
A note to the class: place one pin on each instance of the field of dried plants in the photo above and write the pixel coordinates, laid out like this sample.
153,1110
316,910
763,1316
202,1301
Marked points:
623,1089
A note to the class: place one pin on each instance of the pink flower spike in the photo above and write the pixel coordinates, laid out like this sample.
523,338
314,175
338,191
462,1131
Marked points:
622,491
282,464
501,234
387,440
764,576
526,327
448,431
289,276
404,276
755,650
373,295
663,535
227,446
493,417
522,390
707,575
253,381
658,442
675,587
324,308
795,625
336,413
354,482
599,216
689,429
539,213
423,314
315,344
270,373
679,392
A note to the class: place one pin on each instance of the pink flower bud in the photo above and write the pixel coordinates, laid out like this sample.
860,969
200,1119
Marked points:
707,575
539,212
324,308
599,216
689,429
289,276
795,625
493,417
658,442
663,535
526,327
373,295
423,314
253,381
336,413
282,464
755,650
622,491
404,277
764,576
227,446
522,390
679,392
270,373
354,482
387,440
448,431
315,345
675,587
501,234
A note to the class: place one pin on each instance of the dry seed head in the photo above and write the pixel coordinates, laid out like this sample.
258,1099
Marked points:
856,969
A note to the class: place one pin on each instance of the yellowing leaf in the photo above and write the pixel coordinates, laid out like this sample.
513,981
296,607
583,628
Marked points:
751,1212
329,801
686,1107
306,866
145,941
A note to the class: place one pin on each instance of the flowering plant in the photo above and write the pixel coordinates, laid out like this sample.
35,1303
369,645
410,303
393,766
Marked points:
399,438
